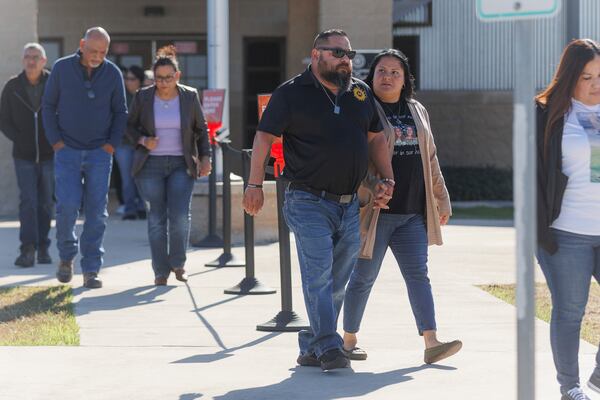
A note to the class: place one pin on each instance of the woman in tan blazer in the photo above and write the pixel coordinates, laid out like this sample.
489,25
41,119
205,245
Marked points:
419,206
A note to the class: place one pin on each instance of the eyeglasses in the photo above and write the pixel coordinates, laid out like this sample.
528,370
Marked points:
338,52
33,58
164,79
90,92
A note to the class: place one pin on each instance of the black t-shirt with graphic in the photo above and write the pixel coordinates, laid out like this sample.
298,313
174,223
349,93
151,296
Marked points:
409,192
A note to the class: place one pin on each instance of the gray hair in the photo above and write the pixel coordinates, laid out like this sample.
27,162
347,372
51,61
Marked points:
96,32
35,46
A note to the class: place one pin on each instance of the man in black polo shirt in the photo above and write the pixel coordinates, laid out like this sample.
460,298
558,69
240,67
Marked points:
330,128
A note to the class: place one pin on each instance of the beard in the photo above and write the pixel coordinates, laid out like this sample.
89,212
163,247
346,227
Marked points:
336,75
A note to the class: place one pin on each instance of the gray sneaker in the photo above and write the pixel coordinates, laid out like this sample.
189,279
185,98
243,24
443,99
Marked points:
64,273
594,382
575,394
91,281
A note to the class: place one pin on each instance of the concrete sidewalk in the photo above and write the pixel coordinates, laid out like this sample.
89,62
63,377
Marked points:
194,342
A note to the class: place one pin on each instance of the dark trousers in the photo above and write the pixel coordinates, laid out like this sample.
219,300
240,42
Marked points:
36,205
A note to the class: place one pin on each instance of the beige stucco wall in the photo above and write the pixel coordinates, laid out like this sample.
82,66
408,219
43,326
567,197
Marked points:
302,29
368,23
68,19
18,25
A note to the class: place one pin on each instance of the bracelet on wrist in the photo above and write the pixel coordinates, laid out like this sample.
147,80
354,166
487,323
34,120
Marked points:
252,185
388,181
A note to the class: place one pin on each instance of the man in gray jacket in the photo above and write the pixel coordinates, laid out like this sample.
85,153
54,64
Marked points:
20,121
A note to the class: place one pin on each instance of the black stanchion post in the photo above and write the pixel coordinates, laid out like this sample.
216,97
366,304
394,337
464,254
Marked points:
286,320
227,259
249,285
212,239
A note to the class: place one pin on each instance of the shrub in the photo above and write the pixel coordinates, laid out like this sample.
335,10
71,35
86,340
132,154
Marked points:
478,183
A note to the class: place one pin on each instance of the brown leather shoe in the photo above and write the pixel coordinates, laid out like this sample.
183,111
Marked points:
180,274
160,281
444,350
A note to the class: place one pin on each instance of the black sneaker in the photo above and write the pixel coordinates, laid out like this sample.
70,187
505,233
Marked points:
43,257
594,382
91,281
333,359
64,273
27,257
308,360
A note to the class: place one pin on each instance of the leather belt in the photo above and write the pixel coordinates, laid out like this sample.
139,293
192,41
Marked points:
336,198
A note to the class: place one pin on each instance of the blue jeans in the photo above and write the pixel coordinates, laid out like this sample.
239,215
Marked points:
328,241
166,185
406,235
82,177
568,273
131,198
36,203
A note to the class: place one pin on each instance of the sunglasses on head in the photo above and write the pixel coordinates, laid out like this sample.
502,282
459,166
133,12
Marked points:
338,52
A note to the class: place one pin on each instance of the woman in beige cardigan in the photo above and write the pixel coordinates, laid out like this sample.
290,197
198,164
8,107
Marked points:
419,205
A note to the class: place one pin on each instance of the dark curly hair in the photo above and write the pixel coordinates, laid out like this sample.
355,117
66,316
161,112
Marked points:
409,80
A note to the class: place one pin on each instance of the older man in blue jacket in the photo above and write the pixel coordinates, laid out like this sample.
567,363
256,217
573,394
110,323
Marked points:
84,113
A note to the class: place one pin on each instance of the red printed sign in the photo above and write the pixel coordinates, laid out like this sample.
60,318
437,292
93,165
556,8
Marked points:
263,100
277,146
212,104
186,47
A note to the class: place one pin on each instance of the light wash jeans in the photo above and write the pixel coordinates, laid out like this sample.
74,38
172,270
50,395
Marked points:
82,177
568,273
406,236
328,241
165,184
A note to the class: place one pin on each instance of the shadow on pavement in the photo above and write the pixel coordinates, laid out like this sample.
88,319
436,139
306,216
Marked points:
337,384
225,353
190,396
133,297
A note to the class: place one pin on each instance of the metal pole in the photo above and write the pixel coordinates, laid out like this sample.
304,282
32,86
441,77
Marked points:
212,239
227,259
218,58
249,285
286,320
572,11
524,178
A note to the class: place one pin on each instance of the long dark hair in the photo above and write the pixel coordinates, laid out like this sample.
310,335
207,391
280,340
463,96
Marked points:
409,80
557,95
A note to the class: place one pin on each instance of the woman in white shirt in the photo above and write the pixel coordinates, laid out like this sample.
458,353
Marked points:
568,171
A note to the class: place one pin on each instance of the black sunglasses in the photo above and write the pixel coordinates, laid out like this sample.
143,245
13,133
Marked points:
90,93
338,52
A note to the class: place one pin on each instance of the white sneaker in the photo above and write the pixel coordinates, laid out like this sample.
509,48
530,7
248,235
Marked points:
121,209
575,394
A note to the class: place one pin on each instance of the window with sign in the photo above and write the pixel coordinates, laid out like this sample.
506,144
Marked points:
191,54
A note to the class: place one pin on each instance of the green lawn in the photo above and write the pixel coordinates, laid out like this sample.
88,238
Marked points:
37,316
590,328
483,213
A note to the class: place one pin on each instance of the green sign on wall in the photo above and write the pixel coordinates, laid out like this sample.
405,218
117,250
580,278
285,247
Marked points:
494,10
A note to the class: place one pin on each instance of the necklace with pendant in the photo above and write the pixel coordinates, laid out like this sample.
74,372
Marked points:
336,108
